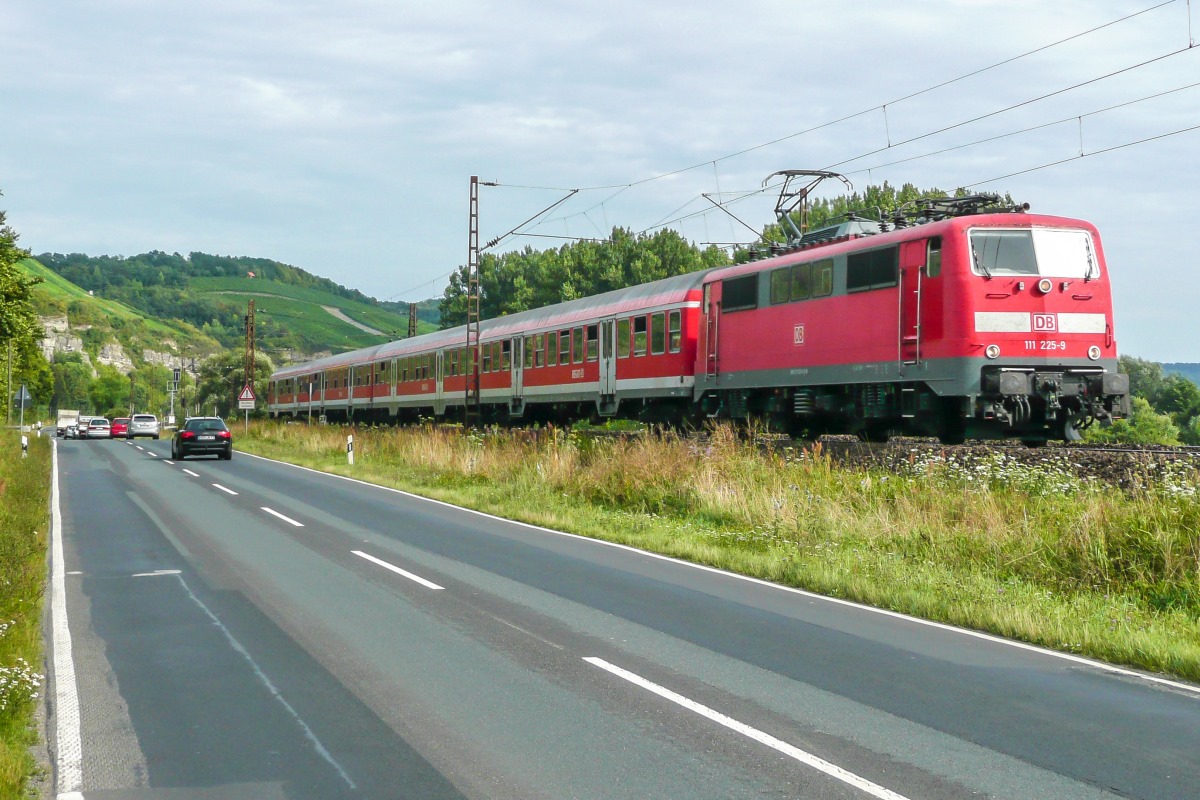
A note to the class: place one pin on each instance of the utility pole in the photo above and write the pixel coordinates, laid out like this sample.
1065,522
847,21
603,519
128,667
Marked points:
8,394
131,394
412,320
249,353
471,408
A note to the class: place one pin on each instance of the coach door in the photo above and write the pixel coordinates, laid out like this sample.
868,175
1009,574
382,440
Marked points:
518,369
912,260
438,372
608,357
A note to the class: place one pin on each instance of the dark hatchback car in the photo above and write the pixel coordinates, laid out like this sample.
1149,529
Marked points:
202,436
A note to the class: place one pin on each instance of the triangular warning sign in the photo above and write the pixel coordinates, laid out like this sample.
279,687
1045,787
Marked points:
247,393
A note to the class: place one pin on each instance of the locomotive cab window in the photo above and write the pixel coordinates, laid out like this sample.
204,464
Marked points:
933,257
1050,252
739,294
874,269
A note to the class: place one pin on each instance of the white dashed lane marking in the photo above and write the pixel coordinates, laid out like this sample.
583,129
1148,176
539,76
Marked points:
397,570
275,513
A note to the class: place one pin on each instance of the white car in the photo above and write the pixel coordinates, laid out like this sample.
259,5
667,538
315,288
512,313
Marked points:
99,428
142,425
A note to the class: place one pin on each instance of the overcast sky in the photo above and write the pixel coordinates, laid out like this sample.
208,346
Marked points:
341,137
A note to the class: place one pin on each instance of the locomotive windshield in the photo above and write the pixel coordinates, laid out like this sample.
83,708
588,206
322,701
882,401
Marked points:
1053,253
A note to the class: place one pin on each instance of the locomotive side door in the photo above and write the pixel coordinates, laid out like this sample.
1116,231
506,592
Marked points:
608,357
712,306
912,263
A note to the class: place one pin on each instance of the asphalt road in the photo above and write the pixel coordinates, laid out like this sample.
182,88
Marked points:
248,629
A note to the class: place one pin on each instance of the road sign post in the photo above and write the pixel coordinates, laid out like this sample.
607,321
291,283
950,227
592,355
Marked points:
25,400
246,403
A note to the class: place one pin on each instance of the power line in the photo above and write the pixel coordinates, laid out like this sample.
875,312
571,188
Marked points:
1024,130
1087,155
1015,106
879,107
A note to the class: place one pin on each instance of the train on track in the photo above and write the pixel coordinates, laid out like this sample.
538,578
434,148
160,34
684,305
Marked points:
965,318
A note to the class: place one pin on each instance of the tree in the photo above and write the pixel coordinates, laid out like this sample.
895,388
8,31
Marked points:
222,377
1145,377
109,392
1144,426
20,330
72,381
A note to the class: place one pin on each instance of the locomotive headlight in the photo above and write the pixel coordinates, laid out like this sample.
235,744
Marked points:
992,351
1045,285
1094,353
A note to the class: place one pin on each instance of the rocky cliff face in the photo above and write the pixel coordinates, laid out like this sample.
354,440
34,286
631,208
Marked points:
60,337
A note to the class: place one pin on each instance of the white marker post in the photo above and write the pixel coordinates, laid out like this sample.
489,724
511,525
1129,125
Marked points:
350,449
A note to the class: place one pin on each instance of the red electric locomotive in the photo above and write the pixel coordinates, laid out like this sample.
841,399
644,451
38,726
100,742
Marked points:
966,320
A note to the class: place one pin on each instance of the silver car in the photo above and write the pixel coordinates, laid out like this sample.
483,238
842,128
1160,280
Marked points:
98,428
142,425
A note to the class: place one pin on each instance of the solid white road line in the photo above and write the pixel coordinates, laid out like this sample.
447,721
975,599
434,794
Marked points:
193,474
804,757
275,513
271,687
395,569
69,745
1112,669
226,491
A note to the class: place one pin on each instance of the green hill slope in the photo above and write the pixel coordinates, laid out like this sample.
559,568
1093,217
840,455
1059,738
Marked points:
297,313
100,321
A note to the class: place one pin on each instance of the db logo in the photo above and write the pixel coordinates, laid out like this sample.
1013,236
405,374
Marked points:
798,334
1045,322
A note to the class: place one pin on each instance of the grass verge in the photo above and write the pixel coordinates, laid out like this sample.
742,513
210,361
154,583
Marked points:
24,523
1032,554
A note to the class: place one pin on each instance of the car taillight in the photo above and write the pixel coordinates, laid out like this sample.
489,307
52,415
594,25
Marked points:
224,435
187,435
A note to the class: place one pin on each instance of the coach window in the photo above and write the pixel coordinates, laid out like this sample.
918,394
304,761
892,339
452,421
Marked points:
623,340
801,283
675,330
530,343
933,257
577,346
781,286
505,355
639,336
551,349
874,269
739,294
593,342
564,347
487,358
539,354
658,334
